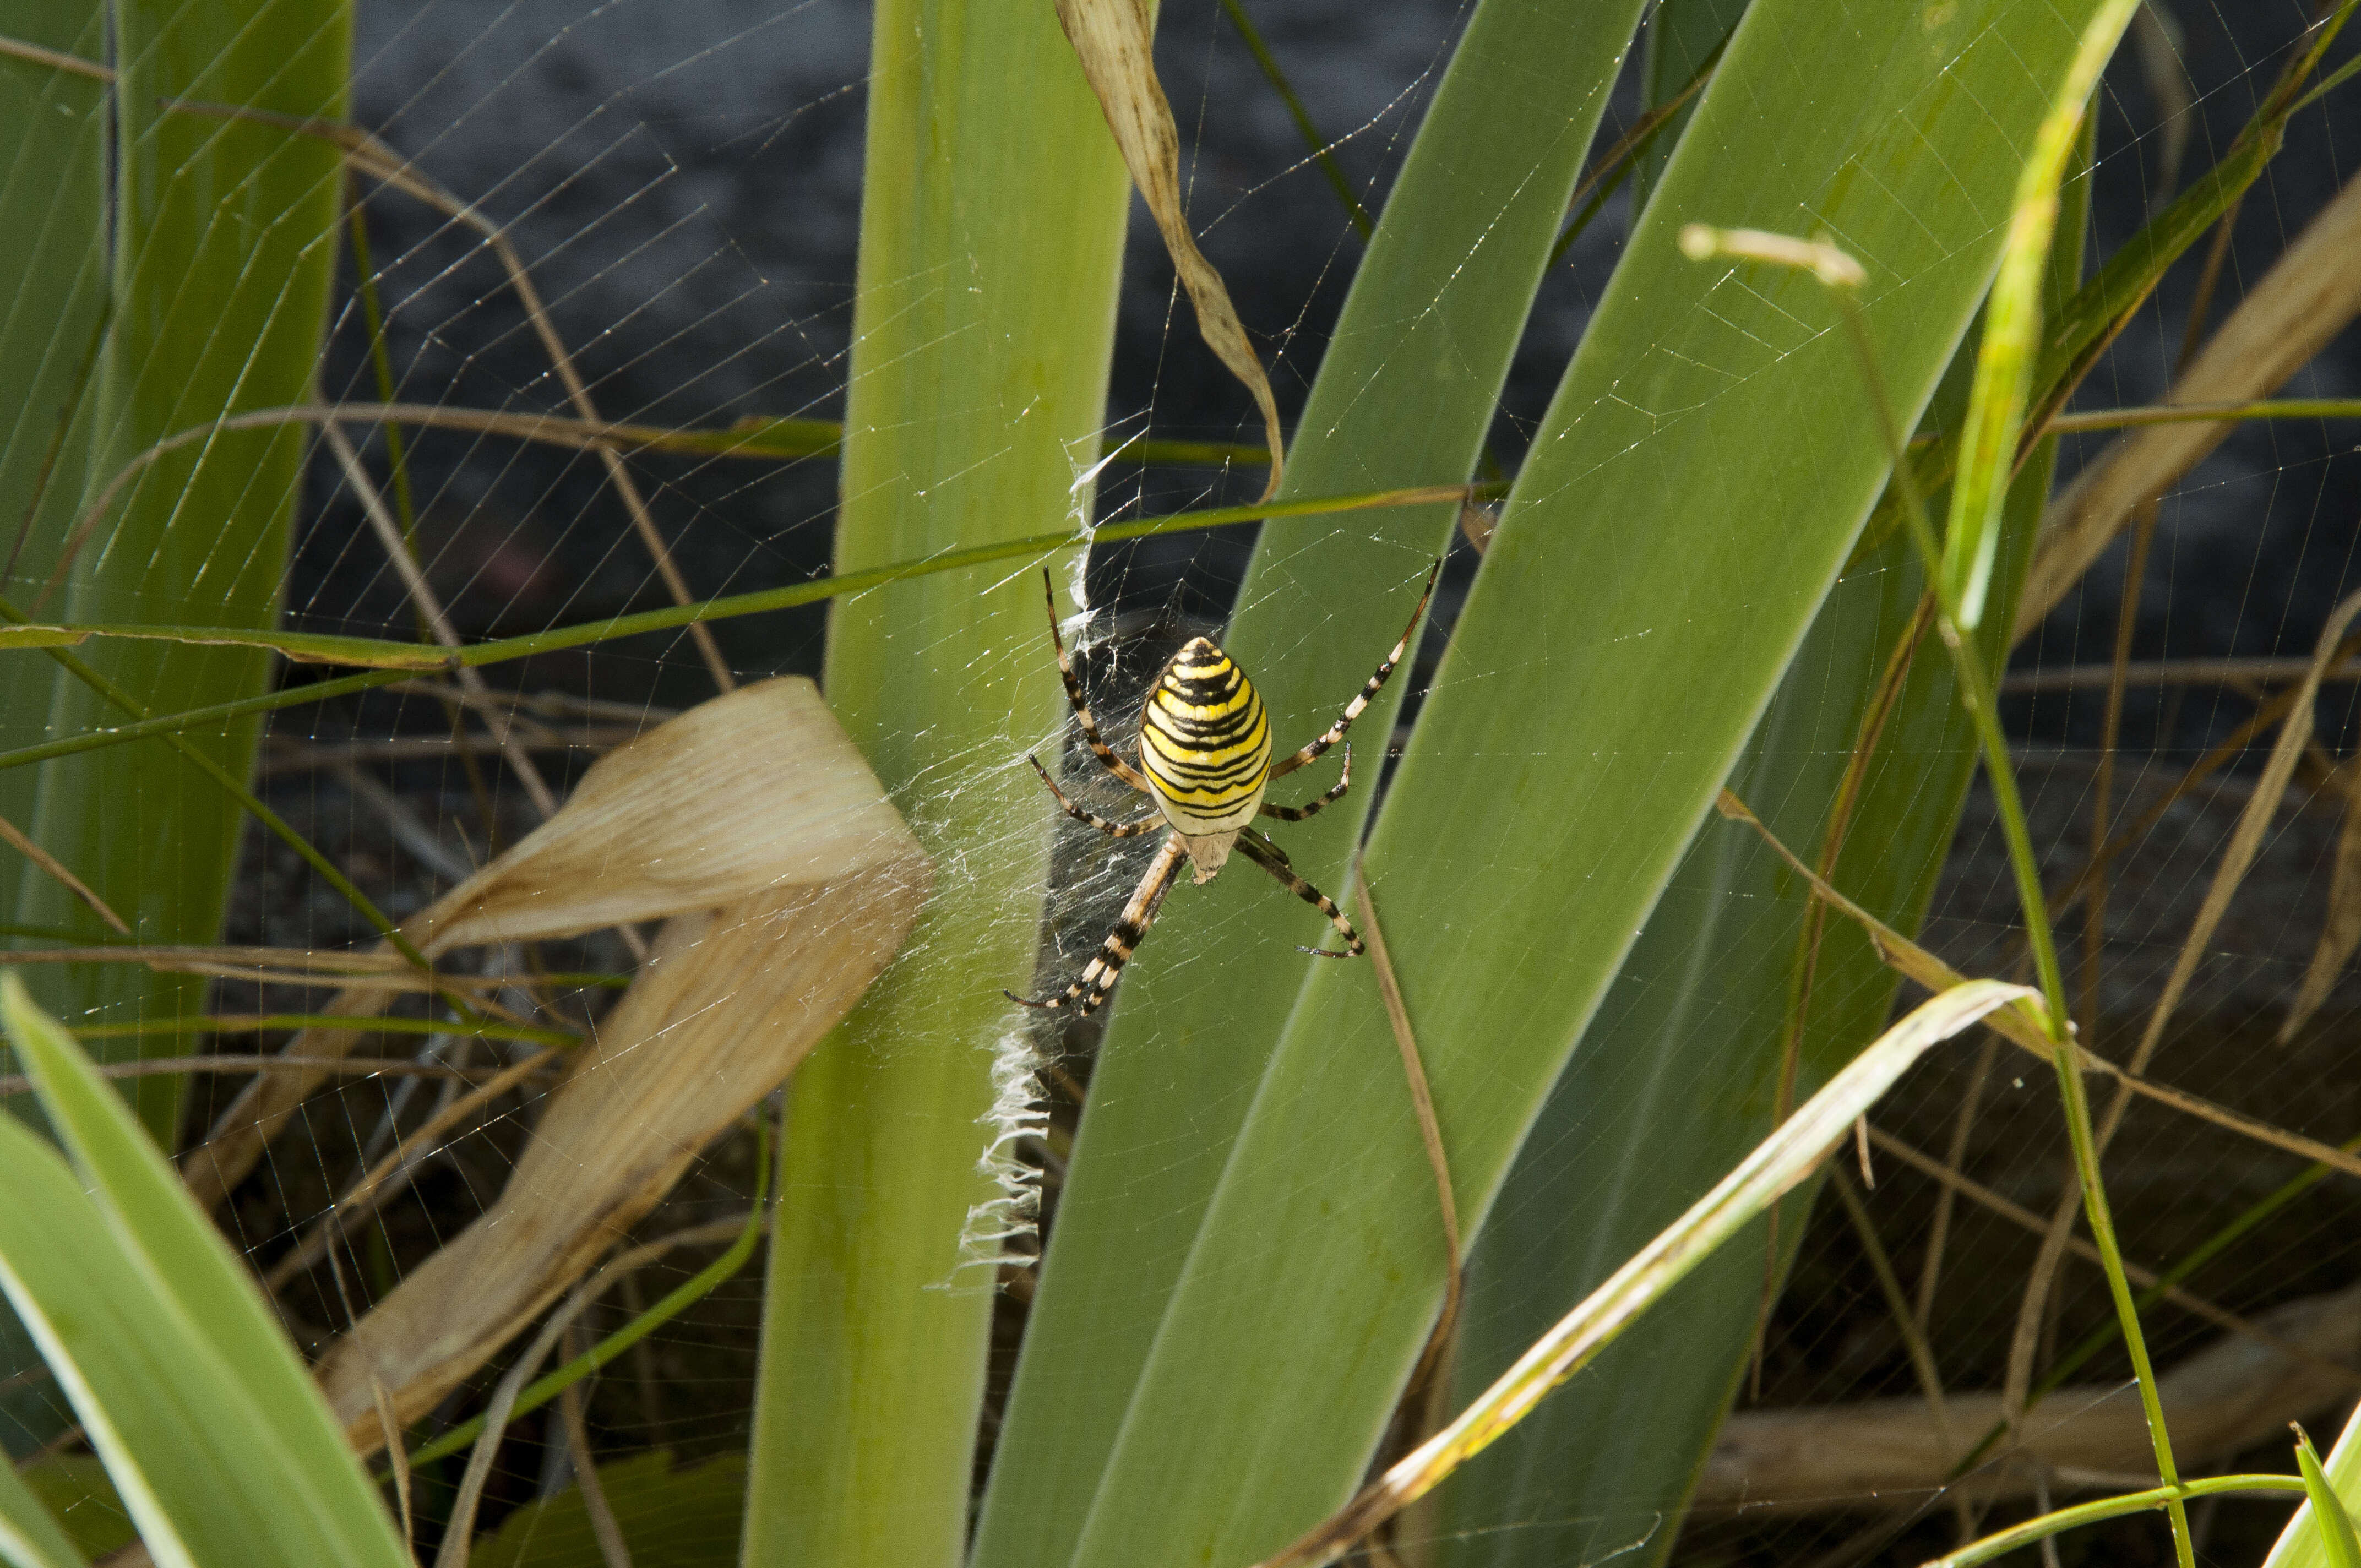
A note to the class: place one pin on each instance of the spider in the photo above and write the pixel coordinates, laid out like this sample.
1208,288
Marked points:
1204,761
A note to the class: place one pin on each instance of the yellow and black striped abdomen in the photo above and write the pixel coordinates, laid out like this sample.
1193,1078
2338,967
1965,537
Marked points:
1204,743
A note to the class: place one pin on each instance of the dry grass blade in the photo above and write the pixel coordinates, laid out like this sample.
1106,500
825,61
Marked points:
301,966
1914,962
1777,1164
1115,41
2146,1279
2156,41
612,1547
309,756
2253,823
785,880
2305,299
2341,933
1427,1382
389,1174
2219,1402
343,1067
374,158
1897,1300
2171,672
459,1533
16,838
367,155
392,1432
56,59
413,581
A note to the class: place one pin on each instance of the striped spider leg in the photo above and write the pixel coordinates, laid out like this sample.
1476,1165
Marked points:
1368,693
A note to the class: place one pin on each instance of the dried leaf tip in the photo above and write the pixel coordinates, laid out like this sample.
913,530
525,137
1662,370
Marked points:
1703,241
1113,40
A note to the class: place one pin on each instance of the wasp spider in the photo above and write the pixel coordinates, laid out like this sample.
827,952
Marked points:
1204,761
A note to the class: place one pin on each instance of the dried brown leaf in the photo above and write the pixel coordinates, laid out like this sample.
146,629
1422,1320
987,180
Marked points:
752,797
1115,41
785,880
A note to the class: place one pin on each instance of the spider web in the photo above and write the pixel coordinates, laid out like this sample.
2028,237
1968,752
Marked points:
683,181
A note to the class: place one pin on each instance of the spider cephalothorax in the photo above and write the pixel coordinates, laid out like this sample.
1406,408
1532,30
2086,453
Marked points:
1204,761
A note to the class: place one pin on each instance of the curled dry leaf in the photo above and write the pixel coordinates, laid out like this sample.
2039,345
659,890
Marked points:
2306,299
755,831
751,796
1115,41
785,880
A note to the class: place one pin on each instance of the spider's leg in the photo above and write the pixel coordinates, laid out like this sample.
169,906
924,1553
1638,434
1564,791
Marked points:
1099,749
1368,693
1148,824
1272,858
1098,977
1312,808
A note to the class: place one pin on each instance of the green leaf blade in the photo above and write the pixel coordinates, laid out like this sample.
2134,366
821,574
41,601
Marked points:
1691,495
1405,396
225,241
177,1295
991,246
2300,1545
2013,331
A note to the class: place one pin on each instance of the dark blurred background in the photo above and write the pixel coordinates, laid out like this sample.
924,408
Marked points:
684,180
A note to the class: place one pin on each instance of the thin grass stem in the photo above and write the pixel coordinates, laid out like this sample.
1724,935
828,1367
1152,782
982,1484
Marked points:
1314,142
1841,276
794,595
1976,696
285,831
2037,1530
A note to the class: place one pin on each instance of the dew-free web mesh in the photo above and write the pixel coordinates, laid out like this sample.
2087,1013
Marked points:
683,181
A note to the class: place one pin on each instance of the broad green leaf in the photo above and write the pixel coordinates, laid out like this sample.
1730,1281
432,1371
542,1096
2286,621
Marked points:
1680,38
219,1442
53,253
2331,1523
1405,395
52,194
225,249
1679,1071
1691,495
2300,1545
983,321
